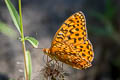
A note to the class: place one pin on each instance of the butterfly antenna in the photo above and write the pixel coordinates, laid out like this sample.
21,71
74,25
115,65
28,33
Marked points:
38,48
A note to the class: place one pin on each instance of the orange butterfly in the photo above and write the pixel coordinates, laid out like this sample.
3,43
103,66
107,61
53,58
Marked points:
71,45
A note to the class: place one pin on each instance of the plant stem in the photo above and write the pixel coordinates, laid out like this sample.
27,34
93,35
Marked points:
23,41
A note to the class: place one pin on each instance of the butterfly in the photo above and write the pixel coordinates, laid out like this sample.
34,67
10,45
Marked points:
71,45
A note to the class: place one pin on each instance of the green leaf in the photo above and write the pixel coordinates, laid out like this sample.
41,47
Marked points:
33,41
6,30
14,14
29,64
110,9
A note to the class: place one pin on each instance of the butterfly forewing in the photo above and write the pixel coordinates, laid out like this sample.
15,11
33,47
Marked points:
72,30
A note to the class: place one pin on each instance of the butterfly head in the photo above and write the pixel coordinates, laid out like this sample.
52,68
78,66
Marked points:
46,50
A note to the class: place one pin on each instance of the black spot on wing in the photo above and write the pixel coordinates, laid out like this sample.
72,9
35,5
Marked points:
74,40
69,37
71,32
77,34
60,38
79,38
77,29
67,24
83,54
81,46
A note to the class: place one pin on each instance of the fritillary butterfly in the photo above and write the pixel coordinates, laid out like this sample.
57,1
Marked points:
71,45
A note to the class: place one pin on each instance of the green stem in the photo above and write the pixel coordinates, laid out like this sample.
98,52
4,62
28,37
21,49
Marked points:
23,41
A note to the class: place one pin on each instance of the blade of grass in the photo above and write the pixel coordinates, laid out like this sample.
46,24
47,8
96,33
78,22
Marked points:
14,14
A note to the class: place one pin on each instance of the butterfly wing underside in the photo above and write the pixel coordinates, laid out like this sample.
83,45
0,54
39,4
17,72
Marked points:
70,43
74,27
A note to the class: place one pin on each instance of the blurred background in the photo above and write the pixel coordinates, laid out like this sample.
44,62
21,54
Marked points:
42,18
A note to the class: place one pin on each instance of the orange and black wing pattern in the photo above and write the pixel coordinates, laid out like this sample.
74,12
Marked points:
71,44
